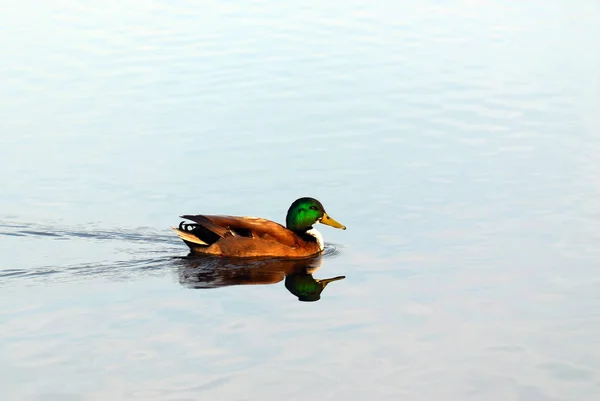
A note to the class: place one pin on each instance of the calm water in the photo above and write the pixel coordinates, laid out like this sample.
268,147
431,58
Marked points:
457,141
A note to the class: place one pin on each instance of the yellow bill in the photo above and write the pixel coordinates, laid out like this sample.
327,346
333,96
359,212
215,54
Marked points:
331,222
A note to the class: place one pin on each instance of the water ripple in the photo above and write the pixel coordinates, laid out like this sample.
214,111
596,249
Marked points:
142,234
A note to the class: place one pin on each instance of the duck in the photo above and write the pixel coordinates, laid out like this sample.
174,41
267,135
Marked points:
256,237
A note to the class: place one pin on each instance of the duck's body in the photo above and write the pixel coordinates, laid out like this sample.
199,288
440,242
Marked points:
237,236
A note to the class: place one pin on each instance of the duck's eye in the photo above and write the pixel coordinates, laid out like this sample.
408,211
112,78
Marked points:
313,208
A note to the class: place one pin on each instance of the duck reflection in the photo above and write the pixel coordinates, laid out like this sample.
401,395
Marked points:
306,287
209,272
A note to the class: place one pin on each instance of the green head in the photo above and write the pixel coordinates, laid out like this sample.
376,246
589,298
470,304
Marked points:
305,212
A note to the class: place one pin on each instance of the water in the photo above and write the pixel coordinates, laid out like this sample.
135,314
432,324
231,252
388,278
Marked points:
457,141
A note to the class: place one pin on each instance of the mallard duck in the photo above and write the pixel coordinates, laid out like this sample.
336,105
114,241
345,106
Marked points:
236,236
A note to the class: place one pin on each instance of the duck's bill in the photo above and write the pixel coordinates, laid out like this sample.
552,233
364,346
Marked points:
331,222
331,280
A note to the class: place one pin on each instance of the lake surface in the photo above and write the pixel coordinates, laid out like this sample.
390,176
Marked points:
457,141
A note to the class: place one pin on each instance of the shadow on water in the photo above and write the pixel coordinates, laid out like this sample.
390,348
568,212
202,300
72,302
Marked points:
208,272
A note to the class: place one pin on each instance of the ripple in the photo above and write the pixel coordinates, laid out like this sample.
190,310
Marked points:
141,234
563,371
113,269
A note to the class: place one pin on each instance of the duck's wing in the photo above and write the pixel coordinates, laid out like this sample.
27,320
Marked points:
209,228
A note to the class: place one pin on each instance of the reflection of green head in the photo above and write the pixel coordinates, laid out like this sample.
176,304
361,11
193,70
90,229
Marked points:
307,288
305,212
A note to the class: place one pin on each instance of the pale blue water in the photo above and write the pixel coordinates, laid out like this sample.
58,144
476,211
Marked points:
457,141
